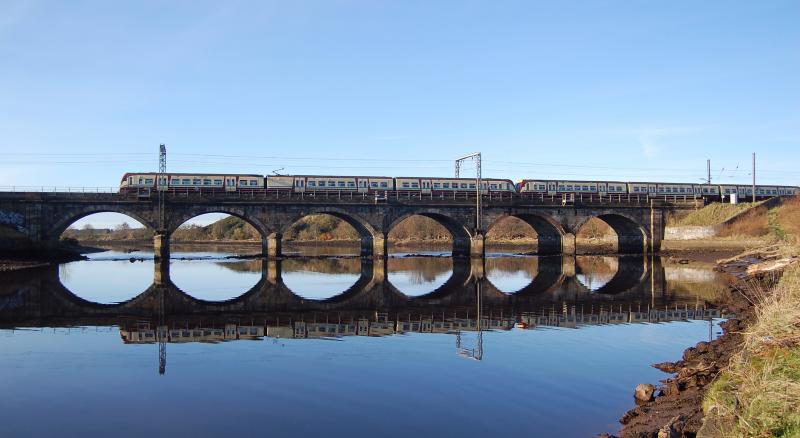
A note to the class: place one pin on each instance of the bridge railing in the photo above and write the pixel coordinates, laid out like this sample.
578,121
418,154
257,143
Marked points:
393,196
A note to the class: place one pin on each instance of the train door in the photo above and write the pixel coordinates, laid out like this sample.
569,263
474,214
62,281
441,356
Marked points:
425,186
299,185
162,183
551,188
230,184
363,185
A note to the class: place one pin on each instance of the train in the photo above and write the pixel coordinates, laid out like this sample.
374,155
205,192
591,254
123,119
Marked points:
251,183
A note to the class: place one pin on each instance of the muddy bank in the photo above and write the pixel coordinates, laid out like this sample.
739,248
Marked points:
28,255
676,408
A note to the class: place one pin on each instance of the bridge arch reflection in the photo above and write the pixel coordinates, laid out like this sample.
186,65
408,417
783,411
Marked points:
556,279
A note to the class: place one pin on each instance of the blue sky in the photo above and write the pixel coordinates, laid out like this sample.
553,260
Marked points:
624,90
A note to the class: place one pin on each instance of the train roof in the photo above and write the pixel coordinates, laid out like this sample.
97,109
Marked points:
192,174
454,178
332,176
573,180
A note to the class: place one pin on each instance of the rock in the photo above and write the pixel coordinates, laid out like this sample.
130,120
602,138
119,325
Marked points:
668,367
644,392
673,429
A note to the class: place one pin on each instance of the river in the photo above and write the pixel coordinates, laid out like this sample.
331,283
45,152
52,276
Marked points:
418,345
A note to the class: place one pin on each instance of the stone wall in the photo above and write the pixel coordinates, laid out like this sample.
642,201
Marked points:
689,233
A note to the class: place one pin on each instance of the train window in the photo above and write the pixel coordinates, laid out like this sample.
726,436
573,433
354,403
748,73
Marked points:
446,185
472,186
636,189
463,186
187,182
196,182
373,184
569,187
206,182
148,181
414,185
341,184
585,188
351,184
312,184
331,183
242,182
560,187
384,184
253,182
437,185
405,185
493,186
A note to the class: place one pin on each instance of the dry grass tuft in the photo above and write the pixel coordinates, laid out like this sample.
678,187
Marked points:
712,214
753,223
788,216
759,393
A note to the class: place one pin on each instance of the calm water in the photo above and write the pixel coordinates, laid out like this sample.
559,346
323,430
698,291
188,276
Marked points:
529,346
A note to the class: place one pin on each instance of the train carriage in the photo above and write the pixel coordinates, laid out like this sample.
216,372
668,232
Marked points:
450,185
312,183
558,187
643,188
706,190
186,181
674,189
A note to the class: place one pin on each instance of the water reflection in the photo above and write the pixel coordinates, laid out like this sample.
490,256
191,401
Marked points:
127,277
510,274
319,279
521,322
415,276
232,277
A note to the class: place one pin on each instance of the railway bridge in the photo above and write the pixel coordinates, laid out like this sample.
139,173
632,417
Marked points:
637,221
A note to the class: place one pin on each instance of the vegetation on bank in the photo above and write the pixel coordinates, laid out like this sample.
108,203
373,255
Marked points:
326,228
758,394
712,214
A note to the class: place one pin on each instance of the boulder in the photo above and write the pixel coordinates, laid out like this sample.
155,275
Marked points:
644,392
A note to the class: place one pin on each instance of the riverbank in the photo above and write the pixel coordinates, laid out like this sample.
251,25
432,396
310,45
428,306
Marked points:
713,385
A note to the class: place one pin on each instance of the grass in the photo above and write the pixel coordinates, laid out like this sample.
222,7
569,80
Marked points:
712,214
758,395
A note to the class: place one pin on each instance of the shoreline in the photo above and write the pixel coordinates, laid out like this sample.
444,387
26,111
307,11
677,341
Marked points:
676,408
677,251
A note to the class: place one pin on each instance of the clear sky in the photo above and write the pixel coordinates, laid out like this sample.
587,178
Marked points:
622,90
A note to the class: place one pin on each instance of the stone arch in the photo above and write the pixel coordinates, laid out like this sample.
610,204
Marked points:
461,234
55,231
178,220
365,230
632,237
550,232
549,276
632,271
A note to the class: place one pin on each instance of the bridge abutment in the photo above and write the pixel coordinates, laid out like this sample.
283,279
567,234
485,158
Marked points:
379,245
161,242
271,245
568,245
477,246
